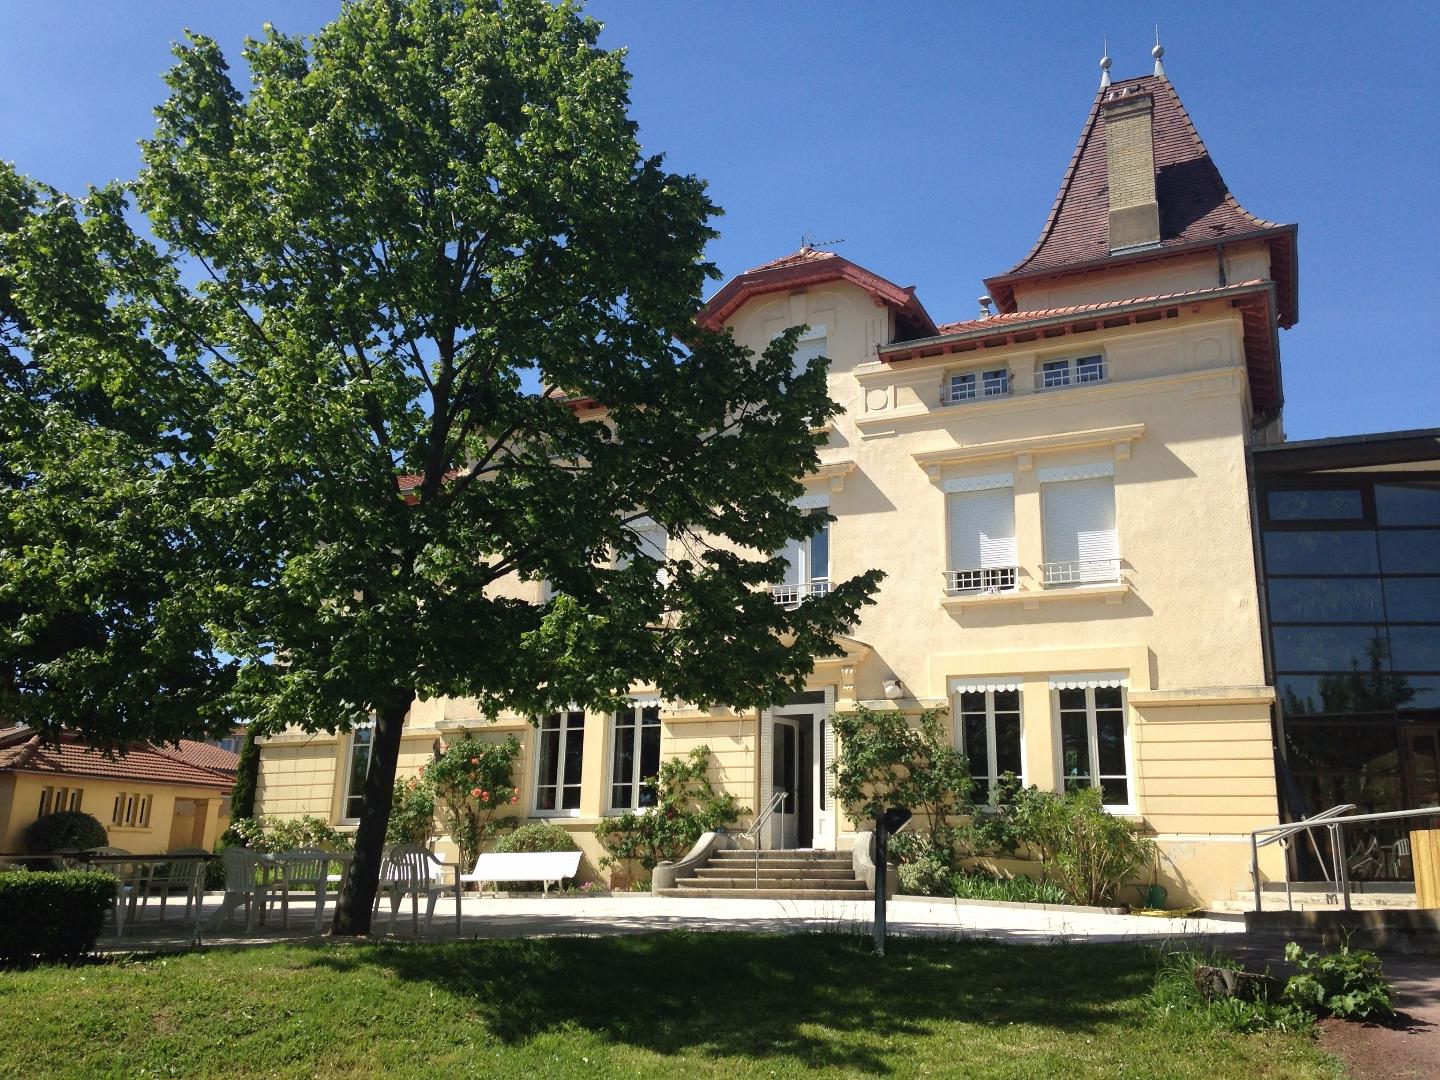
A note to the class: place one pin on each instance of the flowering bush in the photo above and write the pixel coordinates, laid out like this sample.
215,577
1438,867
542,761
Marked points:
286,834
472,780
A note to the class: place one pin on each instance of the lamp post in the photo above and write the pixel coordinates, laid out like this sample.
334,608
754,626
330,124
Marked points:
886,822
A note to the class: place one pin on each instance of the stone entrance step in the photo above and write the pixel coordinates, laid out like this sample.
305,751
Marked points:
787,874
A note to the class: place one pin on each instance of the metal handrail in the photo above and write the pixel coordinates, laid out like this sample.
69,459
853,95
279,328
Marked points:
753,833
1333,821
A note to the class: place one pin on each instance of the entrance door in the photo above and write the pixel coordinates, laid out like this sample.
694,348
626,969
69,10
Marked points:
785,776
1420,754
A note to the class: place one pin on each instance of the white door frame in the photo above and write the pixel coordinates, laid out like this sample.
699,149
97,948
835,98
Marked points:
822,753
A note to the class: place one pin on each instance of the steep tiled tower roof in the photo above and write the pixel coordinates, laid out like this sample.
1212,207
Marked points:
1196,208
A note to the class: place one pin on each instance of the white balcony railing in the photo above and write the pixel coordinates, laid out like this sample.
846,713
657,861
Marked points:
992,385
989,579
1059,575
1090,369
790,595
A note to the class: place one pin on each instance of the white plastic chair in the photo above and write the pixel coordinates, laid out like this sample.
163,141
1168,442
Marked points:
304,872
184,877
248,883
411,870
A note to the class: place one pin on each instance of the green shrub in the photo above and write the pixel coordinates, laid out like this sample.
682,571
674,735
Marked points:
1176,997
52,915
67,830
538,836
978,885
1346,983
928,875
884,760
412,812
1085,850
685,806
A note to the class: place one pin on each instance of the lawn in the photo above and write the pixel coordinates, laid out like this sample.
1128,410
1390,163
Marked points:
675,1005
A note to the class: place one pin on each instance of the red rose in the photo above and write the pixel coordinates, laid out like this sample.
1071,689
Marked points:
475,792
474,761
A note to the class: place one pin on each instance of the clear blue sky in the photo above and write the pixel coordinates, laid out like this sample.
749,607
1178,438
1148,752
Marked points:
931,137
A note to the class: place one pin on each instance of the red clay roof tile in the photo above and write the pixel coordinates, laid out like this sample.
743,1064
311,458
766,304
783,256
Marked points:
141,764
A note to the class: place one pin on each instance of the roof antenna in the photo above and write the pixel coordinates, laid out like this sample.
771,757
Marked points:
1157,52
1104,63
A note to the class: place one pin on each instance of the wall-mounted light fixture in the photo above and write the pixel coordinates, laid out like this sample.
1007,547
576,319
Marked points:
893,689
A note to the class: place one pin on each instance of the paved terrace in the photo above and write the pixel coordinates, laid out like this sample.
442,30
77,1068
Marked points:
640,913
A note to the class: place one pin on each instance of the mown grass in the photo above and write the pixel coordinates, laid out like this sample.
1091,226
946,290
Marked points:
675,1005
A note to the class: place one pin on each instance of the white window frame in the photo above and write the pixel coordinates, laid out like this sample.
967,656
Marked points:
639,528
345,793
1079,575
989,689
1089,684
968,389
806,580
639,705
559,785
1084,370
995,382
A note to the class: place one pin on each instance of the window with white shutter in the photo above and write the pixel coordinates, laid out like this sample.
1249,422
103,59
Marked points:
980,525
1081,546
807,564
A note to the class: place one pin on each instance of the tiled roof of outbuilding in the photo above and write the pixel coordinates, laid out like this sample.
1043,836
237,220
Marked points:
141,764
1196,207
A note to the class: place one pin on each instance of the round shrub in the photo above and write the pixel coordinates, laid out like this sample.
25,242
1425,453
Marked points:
538,836
68,830
926,876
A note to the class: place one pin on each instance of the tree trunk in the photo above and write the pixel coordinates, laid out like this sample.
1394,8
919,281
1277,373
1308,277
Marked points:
356,903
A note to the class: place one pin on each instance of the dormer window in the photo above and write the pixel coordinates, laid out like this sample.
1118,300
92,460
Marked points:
970,385
1076,371
961,388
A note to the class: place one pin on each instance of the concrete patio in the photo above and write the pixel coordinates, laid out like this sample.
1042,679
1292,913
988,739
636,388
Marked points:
638,913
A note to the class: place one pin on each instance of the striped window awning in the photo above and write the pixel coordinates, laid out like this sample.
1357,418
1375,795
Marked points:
1084,681
970,685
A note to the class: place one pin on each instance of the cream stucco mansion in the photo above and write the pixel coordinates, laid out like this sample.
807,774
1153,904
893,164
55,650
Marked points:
1057,493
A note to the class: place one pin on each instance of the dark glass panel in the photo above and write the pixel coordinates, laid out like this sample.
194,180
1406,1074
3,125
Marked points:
1415,648
1410,551
1110,743
574,749
1108,697
1325,600
1347,693
1412,599
1007,701
1007,744
649,756
1349,552
359,767
973,701
1416,503
1075,748
1072,700
1115,791
977,746
1330,648
1334,504
1346,762
820,551
624,765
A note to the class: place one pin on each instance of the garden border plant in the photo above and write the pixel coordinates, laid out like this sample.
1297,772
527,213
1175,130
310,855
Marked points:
52,914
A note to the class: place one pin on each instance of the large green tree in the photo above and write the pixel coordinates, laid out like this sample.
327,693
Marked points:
392,273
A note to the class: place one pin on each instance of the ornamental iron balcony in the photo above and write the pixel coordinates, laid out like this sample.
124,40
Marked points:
1060,575
982,581
790,595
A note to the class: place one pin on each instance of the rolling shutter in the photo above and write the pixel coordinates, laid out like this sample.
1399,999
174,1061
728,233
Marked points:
1080,520
982,529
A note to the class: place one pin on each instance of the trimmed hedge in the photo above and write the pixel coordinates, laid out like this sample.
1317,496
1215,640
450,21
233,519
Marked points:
53,915
537,836
66,830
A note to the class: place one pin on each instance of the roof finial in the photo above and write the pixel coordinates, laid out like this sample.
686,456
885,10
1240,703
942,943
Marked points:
1104,63
1157,52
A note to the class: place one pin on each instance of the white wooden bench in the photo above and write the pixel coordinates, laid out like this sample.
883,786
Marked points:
541,866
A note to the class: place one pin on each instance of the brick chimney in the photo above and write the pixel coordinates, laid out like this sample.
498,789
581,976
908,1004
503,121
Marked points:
1127,114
